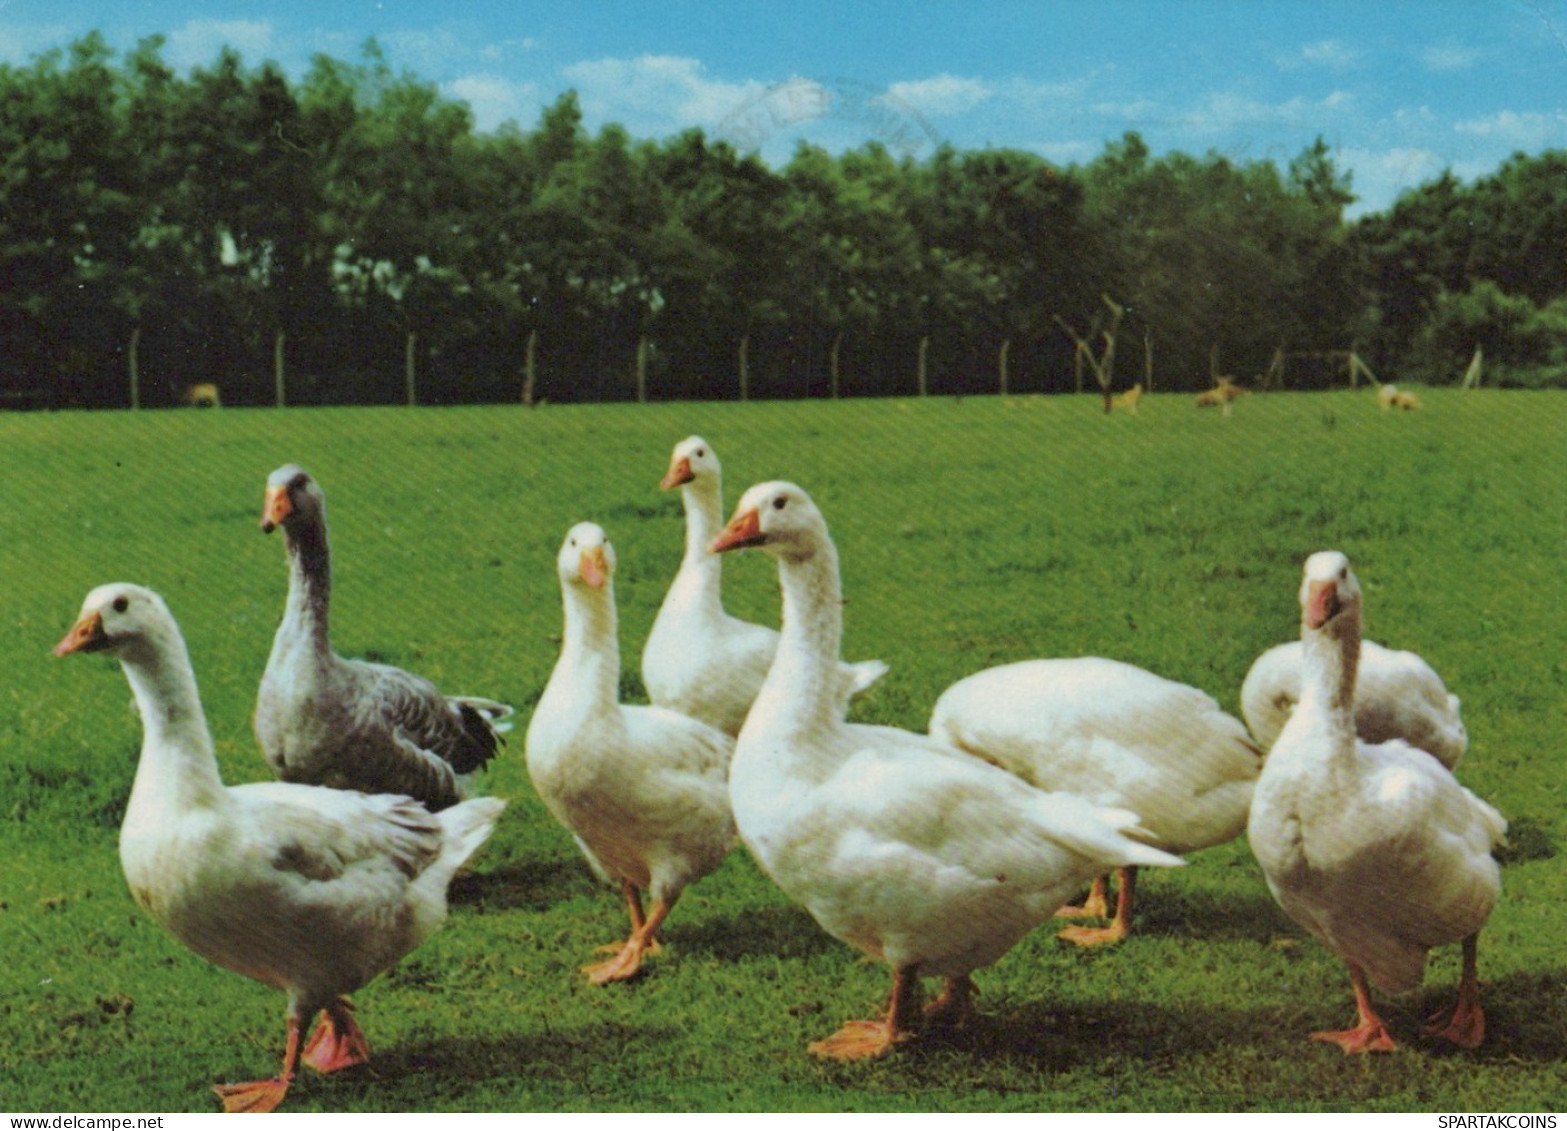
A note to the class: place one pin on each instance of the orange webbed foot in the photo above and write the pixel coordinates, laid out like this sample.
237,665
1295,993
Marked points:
1370,1037
1464,1026
257,1096
954,1009
1094,936
626,964
860,1040
338,1042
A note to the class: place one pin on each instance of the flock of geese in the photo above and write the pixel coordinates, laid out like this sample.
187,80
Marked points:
934,853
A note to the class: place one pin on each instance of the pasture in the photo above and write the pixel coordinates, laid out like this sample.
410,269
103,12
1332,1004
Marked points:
972,533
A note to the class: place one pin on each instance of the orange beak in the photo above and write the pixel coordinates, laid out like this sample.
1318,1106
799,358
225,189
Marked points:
743,530
275,509
595,568
87,635
679,472
1322,603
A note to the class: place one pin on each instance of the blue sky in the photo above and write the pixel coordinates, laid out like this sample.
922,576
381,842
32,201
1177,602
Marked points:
1400,90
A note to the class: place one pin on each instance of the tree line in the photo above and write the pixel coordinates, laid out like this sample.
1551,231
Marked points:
350,237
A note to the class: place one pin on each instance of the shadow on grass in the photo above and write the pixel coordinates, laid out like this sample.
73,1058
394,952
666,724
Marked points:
784,932
563,1054
530,885
1525,1017
1166,910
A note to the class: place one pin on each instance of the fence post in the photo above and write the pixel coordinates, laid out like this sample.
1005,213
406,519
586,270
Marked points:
528,372
1001,364
135,369
410,345
277,366
924,350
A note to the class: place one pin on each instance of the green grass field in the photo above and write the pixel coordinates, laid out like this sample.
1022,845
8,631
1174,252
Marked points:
972,533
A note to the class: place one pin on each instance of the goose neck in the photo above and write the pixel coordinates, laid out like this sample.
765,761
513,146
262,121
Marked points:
700,569
309,584
177,763
1331,658
805,670
590,651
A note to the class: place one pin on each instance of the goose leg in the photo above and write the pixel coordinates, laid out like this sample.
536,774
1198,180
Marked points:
264,1095
954,1009
628,959
1120,925
1464,1024
859,1040
1370,1035
1094,907
338,1042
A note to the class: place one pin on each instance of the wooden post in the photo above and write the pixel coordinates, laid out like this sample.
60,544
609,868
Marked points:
1077,366
410,354
1001,364
920,375
277,366
832,363
744,363
528,370
135,368
1147,362
642,369
1472,374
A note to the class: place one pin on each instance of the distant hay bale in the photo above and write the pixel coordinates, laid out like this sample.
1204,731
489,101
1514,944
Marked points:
1391,397
1128,400
203,395
1220,396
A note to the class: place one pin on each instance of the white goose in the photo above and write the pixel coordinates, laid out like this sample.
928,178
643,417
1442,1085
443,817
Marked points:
699,660
1115,735
1397,695
902,846
643,789
313,891
350,724
1375,849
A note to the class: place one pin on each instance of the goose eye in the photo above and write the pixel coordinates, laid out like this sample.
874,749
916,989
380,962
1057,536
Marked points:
121,603
779,503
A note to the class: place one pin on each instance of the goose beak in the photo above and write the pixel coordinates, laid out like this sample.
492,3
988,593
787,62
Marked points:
87,635
743,530
275,509
679,472
1322,603
595,569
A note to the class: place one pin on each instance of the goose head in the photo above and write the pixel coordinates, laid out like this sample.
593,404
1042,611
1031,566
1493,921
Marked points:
693,460
586,558
119,618
777,516
1329,594
292,497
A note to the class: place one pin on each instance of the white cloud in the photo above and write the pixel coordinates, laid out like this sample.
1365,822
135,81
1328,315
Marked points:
1380,175
1527,130
1328,53
20,42
494,51
667,89
199,42
1223,113
943,95
495,100
1449,58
